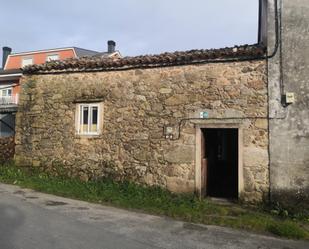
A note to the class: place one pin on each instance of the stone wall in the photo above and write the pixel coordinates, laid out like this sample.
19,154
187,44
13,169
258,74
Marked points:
7,147
137,105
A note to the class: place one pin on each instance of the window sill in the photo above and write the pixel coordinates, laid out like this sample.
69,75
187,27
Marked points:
88,136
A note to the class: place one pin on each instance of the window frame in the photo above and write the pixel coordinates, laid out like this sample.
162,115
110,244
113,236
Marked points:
80,118
26,58
7,91
54,54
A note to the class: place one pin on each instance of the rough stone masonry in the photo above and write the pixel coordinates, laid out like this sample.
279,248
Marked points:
7,147
138,103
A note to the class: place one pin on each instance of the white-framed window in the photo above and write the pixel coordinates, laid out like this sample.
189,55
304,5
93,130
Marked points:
7,92
89,118
26,61
52,57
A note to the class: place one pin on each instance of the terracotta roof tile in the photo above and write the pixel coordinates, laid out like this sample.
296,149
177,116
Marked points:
246,52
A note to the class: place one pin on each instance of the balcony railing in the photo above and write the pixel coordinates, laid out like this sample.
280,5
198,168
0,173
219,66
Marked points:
9,100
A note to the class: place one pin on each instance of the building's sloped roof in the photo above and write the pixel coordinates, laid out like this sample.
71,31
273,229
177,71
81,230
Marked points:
10,71
10,75
81,52
103,55
246,52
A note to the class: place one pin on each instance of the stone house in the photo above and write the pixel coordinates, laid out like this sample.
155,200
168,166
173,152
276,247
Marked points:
170,120
227,123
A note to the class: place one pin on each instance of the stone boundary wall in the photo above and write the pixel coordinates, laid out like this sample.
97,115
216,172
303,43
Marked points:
138,103
7,148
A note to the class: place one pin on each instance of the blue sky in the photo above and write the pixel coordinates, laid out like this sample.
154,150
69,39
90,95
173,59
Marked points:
138,26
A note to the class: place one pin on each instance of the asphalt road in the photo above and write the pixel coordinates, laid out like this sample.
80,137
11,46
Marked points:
32,220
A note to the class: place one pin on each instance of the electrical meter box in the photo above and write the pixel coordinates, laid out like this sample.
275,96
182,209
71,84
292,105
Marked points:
289,98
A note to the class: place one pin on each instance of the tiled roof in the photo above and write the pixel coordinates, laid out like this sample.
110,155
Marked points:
246,52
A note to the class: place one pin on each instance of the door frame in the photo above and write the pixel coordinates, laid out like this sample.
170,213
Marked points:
198,154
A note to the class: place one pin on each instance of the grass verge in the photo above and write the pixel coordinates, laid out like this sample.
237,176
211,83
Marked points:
158,201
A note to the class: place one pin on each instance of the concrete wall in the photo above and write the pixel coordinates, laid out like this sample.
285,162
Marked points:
289,126
137,105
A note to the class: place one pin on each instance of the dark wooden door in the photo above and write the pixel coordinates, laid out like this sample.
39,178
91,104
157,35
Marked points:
221,152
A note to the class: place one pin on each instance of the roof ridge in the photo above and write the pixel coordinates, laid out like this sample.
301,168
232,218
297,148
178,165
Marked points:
85,49
48,49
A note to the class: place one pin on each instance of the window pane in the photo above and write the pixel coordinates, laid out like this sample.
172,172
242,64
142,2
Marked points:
94,121
85,114
94,115
85,119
